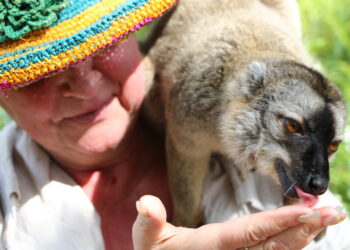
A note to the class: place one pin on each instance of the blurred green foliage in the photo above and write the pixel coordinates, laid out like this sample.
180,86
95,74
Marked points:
4,118
326,29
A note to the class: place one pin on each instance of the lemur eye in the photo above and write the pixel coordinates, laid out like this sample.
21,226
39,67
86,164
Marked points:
292,125
333,146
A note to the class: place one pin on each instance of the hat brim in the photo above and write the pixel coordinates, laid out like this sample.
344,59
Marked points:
82,29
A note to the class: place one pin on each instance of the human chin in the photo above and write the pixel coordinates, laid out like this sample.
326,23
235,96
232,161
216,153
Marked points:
108,133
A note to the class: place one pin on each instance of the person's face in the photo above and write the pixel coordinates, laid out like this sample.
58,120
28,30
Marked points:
86,110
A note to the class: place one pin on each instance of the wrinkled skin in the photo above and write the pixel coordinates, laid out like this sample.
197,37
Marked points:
285,228
84,111
87,119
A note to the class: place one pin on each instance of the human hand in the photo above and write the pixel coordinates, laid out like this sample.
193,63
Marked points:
289,227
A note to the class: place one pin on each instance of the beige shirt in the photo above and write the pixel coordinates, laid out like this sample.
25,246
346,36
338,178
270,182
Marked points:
43,208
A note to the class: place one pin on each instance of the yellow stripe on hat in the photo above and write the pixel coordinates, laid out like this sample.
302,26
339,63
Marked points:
119,28
62,30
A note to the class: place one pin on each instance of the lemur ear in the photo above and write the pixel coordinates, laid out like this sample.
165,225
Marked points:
255,77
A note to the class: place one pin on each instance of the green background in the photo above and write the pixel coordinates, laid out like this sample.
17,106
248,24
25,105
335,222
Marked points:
326,29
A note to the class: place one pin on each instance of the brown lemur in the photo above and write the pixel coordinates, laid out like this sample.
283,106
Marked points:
232,77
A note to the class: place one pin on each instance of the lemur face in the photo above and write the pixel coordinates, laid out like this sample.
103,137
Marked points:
291,127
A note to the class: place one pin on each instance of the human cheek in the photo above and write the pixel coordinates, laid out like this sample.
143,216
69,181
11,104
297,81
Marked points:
134,90
31,106
119,61
123,65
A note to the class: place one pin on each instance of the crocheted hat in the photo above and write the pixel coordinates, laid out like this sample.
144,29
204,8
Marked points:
41,37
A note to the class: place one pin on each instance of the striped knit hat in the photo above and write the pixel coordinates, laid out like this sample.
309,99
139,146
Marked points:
41,37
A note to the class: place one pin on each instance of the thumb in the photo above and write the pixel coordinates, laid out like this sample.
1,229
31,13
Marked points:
150,222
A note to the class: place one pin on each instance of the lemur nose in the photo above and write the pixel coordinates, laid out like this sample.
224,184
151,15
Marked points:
316,185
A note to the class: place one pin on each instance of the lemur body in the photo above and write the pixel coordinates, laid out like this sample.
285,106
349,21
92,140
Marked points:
234,78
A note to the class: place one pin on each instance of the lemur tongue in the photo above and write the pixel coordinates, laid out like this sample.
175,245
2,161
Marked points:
307,199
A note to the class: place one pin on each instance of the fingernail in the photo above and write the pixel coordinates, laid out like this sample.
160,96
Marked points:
307,217
334,219
141,209
340,209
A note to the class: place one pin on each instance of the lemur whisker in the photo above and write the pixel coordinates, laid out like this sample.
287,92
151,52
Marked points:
290,188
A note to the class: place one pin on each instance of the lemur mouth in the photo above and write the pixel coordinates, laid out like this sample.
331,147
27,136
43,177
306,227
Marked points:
288,187
306,199
293,191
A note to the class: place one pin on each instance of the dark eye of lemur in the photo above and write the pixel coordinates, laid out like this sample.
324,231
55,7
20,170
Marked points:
333,146
292,125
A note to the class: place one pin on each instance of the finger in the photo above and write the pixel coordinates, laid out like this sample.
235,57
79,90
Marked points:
149,223
253,229
151,229
332,216
294,238
299,236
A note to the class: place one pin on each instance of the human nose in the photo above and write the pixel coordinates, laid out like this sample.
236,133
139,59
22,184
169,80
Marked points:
80,81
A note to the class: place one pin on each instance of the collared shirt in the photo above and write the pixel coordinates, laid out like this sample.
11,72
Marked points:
43,208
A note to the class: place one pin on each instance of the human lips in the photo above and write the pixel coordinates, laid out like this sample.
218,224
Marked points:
87,115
